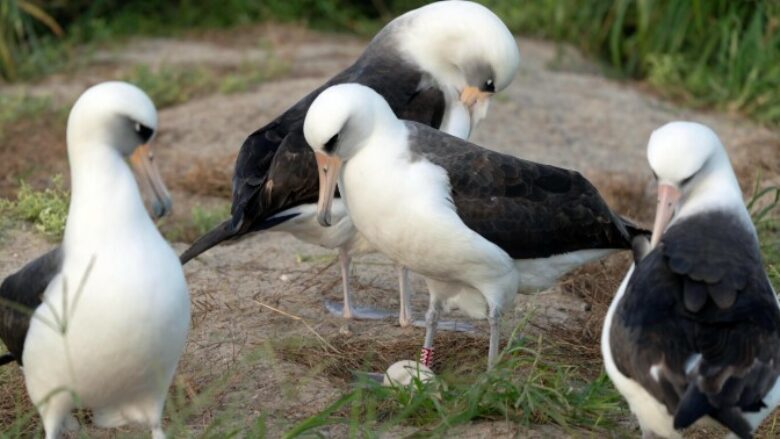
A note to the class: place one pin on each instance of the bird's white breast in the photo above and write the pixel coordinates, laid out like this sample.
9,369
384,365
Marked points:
123,332
651,414
402,205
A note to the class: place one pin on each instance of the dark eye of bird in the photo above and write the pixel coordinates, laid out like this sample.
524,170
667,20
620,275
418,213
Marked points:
687,180
489,86
330,145
144,132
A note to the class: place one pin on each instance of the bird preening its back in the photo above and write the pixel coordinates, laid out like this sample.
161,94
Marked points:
100,321
437,65
694,330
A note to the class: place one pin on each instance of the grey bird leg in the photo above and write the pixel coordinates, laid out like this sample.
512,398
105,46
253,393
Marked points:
495,332
346,310
431,320
344,261
405,287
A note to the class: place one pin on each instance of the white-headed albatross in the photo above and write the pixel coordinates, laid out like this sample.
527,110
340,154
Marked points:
110,308
694,330
473,222
437,65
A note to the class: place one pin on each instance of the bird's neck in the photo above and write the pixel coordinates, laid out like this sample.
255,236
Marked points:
386,140
717,190
105,202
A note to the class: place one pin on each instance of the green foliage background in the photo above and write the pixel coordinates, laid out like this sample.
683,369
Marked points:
709,53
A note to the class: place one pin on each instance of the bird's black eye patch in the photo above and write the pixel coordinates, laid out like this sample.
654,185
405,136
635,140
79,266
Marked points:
489,86
687,180
143,131
330,145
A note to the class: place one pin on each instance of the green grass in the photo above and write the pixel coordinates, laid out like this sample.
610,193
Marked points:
763,206
720,53
47,210
200,221
18,106
526,388
716,53
173,85
20,26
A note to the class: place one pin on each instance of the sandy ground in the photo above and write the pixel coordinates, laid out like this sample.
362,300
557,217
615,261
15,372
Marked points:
560,110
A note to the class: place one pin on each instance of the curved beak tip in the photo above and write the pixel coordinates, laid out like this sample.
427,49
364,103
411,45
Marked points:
328,168
161,208
324,219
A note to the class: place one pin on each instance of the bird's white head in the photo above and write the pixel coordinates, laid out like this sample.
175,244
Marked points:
692,169
121,117
339,122
463,46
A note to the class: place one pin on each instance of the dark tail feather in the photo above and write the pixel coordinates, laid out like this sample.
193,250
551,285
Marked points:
7,358
218,234
695,405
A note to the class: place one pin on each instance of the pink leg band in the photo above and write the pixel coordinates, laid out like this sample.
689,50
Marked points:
426,356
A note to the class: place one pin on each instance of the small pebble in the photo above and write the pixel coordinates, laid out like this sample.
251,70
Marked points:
284,278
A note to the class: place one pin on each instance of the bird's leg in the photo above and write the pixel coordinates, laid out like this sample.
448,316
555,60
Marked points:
54,413
158,433
344,262
495,332
405,287
431,320
71,424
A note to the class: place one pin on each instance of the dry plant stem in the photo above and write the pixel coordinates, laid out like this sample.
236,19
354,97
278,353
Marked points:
300,319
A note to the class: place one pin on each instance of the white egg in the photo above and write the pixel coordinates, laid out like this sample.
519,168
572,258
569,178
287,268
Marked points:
403,372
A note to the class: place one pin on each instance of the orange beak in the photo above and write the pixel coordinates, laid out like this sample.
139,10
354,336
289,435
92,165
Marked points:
472,95
328,167
150,180
668,196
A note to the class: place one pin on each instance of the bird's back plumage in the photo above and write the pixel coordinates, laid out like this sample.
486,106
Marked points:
530,210
21,294
699,309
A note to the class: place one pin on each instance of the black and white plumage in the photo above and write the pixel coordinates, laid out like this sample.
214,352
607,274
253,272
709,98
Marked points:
437,65
101,321
477,224
20,293
694,330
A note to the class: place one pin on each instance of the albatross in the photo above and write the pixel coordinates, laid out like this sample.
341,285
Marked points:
476,224
100,321
694,329
438,65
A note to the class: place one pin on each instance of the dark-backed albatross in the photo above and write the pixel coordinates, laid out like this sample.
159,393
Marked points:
694,330
100,322
437,65
477,224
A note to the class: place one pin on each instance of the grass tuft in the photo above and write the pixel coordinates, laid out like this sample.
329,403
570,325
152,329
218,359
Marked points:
172,85
763,207
200,221
15,107
718,53
168,86
524,388
47,210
